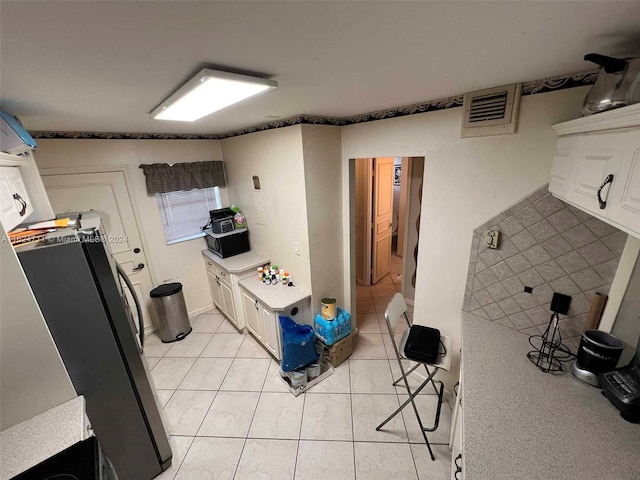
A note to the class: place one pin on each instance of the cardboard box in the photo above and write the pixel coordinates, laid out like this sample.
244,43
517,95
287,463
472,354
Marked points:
339,351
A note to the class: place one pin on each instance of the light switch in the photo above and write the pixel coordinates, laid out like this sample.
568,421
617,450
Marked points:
296,248
492,238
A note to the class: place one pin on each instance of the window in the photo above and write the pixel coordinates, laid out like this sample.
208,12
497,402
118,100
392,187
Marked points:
183,213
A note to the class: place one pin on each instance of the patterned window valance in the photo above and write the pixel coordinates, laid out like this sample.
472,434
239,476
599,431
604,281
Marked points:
162,177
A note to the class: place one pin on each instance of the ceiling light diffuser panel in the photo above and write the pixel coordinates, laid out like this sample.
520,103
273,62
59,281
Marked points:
210,91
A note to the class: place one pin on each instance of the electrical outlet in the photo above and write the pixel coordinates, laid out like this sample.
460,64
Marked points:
492,238
296,248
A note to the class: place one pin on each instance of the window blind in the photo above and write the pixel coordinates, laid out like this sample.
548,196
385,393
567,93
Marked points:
183,213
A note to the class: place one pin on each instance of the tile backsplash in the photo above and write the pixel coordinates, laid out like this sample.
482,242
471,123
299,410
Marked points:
549,246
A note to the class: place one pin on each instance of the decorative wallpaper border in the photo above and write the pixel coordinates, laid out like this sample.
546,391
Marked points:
544,85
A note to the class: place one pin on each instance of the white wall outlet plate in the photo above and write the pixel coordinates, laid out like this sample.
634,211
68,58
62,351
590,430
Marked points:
492,237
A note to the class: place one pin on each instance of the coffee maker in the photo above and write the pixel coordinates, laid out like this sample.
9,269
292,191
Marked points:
622,388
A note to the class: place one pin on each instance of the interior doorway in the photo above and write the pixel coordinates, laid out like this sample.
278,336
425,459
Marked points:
386,199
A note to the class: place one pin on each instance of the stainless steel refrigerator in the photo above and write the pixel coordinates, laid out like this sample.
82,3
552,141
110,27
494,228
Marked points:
74,281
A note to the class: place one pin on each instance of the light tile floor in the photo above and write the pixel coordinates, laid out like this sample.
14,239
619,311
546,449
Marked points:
230,416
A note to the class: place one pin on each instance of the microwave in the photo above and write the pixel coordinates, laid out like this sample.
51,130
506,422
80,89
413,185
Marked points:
228,244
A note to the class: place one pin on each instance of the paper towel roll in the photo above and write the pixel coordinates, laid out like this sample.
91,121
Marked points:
598,303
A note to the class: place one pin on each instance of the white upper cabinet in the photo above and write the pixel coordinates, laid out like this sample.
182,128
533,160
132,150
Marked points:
596,166
625,198
596,161
15,203
562,167
23,198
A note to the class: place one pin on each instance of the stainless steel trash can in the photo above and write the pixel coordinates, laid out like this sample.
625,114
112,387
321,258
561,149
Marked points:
171,312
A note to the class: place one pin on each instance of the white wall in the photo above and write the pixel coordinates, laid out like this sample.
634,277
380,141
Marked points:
276,156
466,181
322,149
396,199
411,235
33,378
181,262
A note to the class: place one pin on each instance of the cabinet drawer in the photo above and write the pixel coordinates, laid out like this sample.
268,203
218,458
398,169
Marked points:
215,269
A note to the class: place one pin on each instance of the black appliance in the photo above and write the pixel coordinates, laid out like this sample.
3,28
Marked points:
84,460
228,244
622,388
73,278
221,220
598,352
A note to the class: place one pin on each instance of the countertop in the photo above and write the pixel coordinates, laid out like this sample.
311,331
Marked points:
521,423
238,263
33,441
276,297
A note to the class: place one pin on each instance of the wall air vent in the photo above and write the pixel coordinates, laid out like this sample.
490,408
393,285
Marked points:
493,111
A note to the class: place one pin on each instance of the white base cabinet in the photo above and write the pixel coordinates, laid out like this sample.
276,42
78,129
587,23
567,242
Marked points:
225,291
456,440
262,306
596,166
263,323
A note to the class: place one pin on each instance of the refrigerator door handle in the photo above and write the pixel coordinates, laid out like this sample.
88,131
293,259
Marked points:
124,277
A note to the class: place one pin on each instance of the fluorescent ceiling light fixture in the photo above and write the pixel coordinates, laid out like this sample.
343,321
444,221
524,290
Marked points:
208,92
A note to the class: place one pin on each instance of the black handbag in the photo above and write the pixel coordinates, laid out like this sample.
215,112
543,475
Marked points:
422,344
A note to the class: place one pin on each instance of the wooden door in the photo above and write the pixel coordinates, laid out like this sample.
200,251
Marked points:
364,195
382,216
597,157
623,206
108,194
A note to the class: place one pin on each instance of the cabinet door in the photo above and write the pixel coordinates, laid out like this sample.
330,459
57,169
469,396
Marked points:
227,299
250,306
13,210
562,166
270,330
216,293
598,155
624,204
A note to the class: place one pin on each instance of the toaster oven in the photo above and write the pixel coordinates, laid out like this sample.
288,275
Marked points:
221,220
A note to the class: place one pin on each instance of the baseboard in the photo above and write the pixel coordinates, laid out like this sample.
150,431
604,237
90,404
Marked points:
200,311
149,330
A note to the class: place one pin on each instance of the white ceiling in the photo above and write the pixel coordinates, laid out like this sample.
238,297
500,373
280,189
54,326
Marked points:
103,66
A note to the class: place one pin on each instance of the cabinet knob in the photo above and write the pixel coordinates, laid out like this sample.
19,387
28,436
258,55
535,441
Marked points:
209,263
